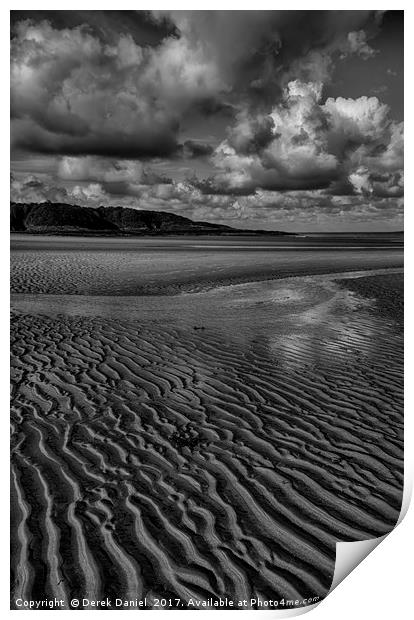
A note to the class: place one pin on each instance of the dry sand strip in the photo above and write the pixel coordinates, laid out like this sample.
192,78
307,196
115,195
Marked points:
169,463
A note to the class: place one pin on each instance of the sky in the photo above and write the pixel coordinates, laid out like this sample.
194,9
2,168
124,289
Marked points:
278,120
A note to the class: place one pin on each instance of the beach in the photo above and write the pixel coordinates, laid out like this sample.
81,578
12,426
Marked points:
201,419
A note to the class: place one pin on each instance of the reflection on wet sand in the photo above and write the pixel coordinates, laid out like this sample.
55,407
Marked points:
310,314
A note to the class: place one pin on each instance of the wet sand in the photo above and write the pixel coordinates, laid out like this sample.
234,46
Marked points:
202,445
135,267
387,290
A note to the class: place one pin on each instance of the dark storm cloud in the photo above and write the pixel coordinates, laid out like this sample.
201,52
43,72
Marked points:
196,148
120,83
73,92
112,141
106,25
255,50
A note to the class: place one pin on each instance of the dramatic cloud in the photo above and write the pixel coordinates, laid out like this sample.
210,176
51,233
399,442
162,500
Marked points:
72,93
305,143
257,52
76,92
221,115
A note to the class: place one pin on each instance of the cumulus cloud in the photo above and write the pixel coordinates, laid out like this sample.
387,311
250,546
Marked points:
72,93
76,91
384,185
289,210
307,143
356,43
118,96
34,189
87,194
105,170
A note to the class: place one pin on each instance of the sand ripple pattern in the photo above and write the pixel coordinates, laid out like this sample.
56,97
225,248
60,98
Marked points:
168,273
171,464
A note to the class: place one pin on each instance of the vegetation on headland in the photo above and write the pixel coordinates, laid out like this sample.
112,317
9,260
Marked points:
61,218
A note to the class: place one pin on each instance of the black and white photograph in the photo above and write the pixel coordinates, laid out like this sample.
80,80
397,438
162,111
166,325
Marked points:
207,293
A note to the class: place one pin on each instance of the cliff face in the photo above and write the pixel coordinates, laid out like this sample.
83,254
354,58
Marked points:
59,218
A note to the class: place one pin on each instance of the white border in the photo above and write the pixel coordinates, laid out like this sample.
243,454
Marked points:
381,586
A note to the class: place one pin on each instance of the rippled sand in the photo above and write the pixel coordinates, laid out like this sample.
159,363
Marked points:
207,445
132,267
